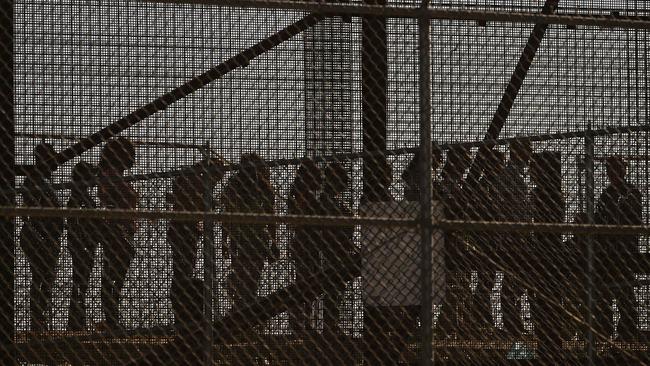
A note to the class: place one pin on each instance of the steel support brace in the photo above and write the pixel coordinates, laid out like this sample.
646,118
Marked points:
162,102
426,186
514,85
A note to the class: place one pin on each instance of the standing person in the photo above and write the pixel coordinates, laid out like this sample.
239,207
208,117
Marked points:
511,256
249,192
303,246
548,206
488,201
615,256
576,301
40,238
117,156
337,241
183,237
83,237
455,202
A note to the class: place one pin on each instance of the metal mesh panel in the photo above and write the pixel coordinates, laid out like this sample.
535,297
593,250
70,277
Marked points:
333,183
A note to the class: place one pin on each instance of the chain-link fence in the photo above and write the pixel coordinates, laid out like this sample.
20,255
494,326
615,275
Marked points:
358,183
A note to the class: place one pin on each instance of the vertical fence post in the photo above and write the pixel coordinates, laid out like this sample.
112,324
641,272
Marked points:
424,43
7,178
589,200
208,264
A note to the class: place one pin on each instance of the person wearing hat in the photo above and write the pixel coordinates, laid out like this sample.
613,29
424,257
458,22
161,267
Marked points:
616,256
40,238
83,236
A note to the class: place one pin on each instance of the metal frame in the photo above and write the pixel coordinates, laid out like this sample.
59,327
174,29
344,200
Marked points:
426,189
7,179
574,19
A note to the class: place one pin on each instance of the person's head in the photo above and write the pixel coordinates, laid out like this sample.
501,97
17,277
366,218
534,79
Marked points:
581,218
82,173
520,151
494,162
411,173
309,176
616,169
187,192
336,178
118,154
252,171
457,160
546,170
43,159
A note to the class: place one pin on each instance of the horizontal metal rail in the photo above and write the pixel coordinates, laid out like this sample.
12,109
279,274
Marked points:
572,19
202,215
525,227
137,142
448,225
217,168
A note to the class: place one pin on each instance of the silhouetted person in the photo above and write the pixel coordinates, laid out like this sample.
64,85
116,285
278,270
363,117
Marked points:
117,237
250,192
455,202
337,241
183,237
576,301
83,236
488,201
378,182
40,238
303,246
616,257
512,255
547,202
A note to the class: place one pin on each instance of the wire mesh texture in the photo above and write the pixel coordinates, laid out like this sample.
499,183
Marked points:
251,182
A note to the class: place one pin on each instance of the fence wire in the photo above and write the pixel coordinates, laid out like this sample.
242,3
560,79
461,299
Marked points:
356,183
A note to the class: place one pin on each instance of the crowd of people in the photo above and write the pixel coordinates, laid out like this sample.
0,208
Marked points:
552,273
315,191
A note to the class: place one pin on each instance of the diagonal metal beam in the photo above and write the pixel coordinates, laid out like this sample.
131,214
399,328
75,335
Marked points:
162,102
516,81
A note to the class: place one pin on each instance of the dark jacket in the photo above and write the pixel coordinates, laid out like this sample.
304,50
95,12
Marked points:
618,206
38,192
337,241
